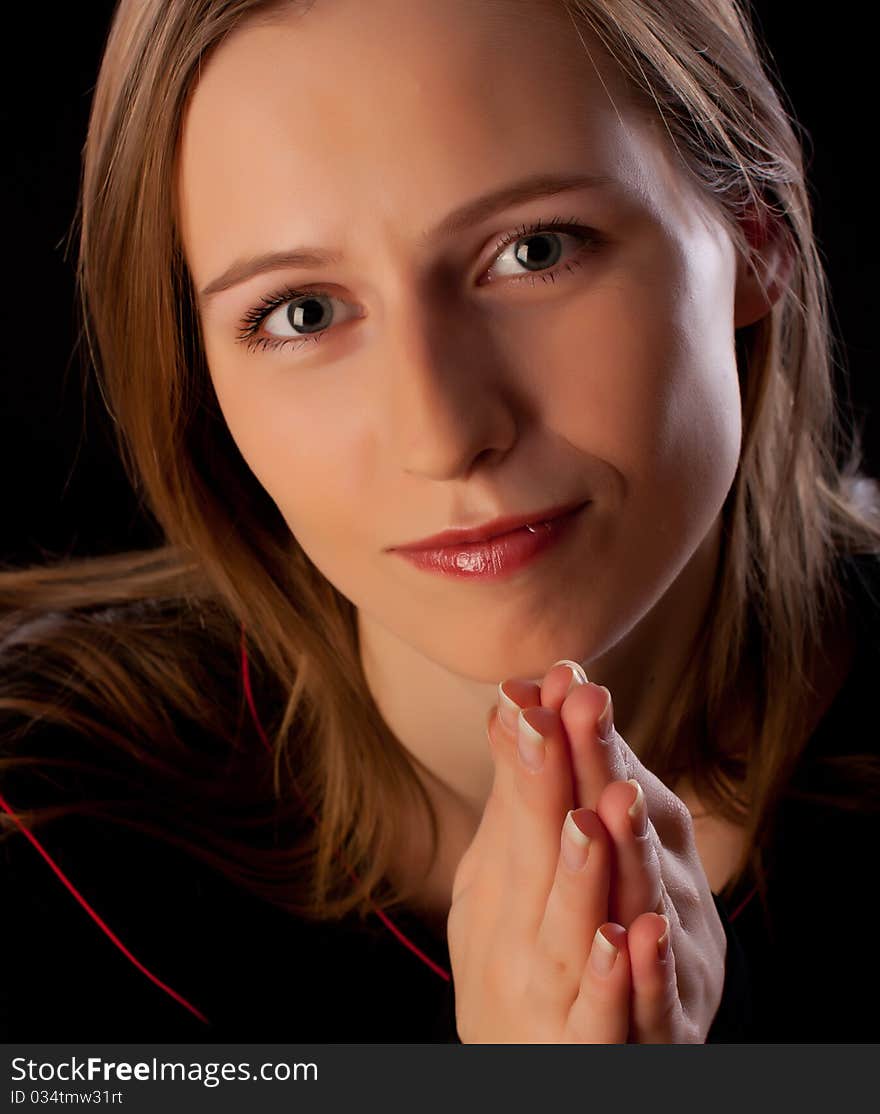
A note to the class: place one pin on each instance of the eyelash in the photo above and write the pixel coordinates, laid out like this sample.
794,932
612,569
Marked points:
254,317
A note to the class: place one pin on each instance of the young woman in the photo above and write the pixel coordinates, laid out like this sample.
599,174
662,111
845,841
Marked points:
264,784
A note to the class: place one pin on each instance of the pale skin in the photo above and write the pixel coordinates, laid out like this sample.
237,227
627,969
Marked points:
444,393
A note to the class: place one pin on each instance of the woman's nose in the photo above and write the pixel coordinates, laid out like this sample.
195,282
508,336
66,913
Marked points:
450,405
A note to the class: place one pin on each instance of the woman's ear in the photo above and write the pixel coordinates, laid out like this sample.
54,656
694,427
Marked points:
765,274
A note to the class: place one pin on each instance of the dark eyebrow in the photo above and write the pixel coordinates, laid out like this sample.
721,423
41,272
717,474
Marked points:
467,215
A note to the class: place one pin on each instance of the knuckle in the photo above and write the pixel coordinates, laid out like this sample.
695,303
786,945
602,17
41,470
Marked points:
552,973
688,902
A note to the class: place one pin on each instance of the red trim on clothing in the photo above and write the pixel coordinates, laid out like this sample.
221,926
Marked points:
97,919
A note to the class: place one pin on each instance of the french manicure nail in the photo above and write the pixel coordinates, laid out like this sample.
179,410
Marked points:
530,744
508,711
605,722
575,844
638,810
578,676
604,954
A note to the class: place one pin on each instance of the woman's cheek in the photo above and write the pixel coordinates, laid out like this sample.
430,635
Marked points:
620,382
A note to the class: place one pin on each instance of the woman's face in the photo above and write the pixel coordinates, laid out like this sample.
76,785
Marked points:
453,383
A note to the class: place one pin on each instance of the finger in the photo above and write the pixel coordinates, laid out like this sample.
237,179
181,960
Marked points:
657,1014
595,761
587,716
638,886
514,694
541,798
489,845
561,678
576,907
601,1012
502,746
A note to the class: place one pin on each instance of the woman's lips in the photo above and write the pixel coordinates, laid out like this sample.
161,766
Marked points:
495,557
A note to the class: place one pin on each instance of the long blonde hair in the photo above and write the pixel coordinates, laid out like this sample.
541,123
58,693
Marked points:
116,648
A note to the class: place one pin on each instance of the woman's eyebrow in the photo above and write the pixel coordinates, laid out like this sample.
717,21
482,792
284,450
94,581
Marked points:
467,215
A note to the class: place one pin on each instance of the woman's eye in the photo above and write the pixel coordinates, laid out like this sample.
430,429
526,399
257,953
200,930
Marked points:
291,318
304,316
537,253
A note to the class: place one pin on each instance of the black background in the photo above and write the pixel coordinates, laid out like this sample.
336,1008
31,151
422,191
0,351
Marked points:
63,487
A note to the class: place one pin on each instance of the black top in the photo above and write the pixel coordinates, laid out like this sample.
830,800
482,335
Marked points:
812,974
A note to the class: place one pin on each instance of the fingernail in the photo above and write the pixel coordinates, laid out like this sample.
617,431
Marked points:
638,811
575,844
663,942
530,744
508,711
604,954
578,676
605,722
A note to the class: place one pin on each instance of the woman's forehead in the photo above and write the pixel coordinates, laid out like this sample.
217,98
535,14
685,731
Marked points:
398,110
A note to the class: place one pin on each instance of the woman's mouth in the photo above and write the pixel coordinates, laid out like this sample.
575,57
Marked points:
497,557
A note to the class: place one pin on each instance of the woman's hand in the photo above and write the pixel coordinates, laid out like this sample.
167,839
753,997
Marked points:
659,871
529,960
522,921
